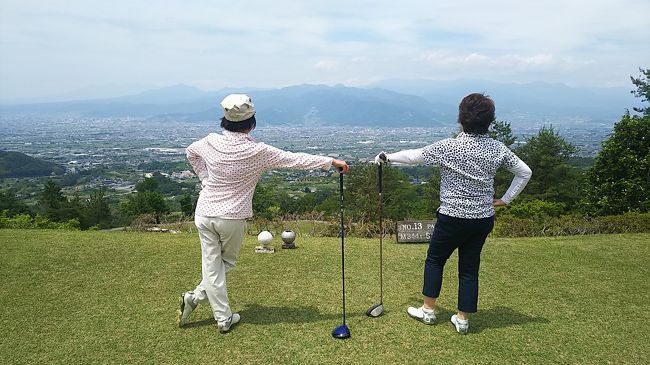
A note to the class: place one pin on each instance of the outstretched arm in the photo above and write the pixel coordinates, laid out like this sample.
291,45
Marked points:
277,158
410,157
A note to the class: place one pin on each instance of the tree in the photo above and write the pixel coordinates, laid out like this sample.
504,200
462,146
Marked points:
148,184
362,192
55,206
619,180
307,203
187,205
501,131
642,91
547,154
11,204
428,201
146,200
51,198
96,211
263,199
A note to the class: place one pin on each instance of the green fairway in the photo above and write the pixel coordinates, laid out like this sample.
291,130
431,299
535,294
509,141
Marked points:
110,297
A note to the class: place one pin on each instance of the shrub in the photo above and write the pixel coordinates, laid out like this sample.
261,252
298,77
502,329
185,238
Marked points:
70,225
42,222
25,221
142,222
360,229
19,221
533,208
569,225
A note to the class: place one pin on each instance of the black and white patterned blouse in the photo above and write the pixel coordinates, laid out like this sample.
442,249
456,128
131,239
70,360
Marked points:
468,164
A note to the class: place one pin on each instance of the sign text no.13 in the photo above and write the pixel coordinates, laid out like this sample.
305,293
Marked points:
414,231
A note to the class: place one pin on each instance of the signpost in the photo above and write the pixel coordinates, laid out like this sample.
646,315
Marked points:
414,231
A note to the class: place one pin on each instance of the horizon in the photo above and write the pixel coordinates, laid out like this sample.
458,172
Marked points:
90,90
56,49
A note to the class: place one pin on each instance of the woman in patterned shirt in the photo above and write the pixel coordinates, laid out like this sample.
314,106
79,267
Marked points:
468,164
229,166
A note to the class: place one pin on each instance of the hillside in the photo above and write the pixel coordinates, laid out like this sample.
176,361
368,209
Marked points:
110,297
17,164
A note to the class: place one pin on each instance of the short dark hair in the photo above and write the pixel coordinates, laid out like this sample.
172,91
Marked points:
476,113
243,126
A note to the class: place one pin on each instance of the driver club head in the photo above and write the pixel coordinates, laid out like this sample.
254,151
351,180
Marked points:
341,332
375,310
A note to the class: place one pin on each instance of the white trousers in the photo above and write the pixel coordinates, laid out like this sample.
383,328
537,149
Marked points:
221,240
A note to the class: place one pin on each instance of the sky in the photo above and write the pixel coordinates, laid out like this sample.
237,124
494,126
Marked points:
58,48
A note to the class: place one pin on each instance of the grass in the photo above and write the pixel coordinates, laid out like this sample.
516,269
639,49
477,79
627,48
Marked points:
110,297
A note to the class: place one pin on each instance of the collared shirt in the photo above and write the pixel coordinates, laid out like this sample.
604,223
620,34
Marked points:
229,166
468,164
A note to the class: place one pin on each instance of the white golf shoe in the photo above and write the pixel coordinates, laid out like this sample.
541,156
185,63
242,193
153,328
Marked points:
462,326
185,309
426,316
226,325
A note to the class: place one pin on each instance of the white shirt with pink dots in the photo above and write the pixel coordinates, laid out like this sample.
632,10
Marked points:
229,166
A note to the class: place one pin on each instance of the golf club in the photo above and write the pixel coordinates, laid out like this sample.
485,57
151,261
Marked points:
342,331
377,309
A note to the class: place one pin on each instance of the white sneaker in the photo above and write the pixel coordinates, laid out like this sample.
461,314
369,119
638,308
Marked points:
426,316
185,309
461,325
227,324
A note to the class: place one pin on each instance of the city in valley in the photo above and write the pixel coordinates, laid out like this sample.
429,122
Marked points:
118,152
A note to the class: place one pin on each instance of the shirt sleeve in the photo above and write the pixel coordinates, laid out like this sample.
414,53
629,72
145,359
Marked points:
522,173
277,158
411,157
433,153
195,159
509,159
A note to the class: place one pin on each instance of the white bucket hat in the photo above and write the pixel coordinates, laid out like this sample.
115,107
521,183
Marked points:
237,107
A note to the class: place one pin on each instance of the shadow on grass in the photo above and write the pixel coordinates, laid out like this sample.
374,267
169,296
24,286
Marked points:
258,314
204,322
500,317
497,317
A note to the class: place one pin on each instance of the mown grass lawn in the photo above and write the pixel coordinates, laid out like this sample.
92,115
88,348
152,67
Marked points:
110,297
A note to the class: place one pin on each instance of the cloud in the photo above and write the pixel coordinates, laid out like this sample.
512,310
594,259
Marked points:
59,45
508,61
327,65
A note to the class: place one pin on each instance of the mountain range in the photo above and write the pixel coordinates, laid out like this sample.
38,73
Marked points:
390,103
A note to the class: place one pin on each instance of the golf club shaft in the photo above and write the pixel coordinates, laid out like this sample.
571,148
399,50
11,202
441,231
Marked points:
381,238
342,239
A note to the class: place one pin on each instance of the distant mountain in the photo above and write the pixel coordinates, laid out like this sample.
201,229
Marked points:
529,102
176,94
16,164
178,99
338,105
396,103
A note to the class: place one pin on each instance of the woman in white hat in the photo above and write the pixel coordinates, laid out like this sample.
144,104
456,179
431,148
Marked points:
229,166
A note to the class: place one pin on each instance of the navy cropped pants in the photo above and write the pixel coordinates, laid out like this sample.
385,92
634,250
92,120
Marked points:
468,235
